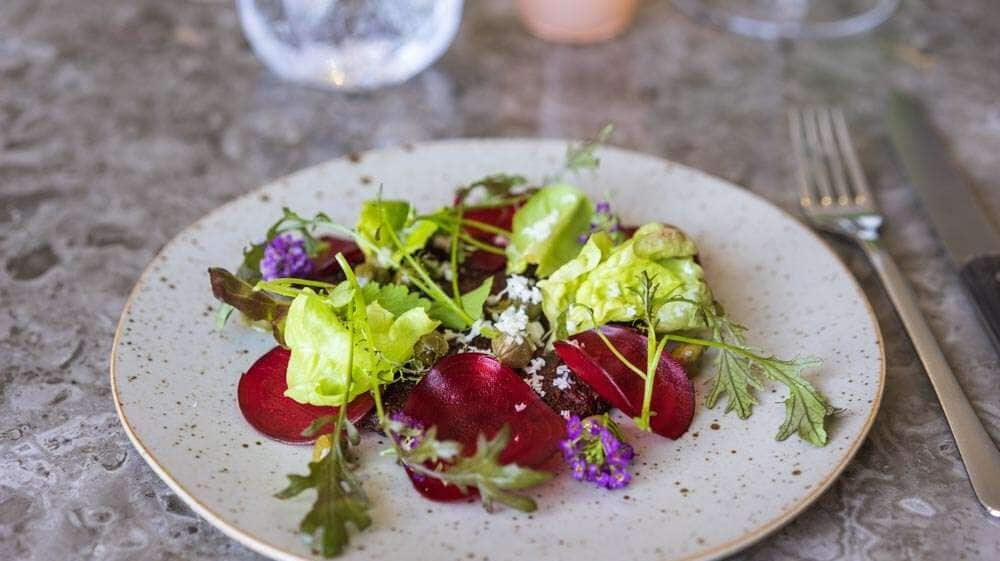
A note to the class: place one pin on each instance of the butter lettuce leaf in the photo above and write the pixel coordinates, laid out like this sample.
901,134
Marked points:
547,229
319,340
602,284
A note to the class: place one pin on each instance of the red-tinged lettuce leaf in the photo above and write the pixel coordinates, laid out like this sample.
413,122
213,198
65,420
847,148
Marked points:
261,398
254,304
325,263
472,393
673,393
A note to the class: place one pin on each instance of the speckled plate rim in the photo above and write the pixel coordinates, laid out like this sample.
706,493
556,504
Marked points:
747,539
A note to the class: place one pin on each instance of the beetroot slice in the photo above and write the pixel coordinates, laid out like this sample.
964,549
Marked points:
261,398
325,264
471,393
591,360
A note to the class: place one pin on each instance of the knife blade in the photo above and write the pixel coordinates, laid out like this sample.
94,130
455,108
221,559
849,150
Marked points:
951,203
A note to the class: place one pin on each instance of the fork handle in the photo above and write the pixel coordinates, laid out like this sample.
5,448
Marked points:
980,454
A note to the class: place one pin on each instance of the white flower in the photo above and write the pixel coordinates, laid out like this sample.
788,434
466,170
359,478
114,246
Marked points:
522,289
513,322
535,365
562,379
475,330
535,381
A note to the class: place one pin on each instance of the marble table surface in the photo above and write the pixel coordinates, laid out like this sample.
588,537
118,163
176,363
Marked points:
122,122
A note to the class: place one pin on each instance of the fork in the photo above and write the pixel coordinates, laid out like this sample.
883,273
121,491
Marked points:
836,199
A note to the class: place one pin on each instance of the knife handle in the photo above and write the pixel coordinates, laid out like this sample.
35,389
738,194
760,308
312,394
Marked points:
982,278
979,453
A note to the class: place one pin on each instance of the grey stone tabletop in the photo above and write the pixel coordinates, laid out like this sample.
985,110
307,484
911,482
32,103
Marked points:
122,122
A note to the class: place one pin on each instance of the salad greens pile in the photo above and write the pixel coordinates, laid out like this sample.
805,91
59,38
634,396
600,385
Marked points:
402,309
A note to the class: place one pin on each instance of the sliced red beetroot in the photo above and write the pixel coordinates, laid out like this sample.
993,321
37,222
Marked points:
325,264
261,397
673,393
472,393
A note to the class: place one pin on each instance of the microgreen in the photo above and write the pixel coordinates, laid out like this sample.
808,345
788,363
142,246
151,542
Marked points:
482,470
583,156
340,498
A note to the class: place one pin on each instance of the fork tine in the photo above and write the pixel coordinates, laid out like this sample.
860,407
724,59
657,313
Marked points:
841,188
817,161
862,194
795,130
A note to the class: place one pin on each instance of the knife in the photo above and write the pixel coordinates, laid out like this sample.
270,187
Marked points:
958,218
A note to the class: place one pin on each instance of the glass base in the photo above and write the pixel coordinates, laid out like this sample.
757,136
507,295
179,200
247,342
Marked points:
791,19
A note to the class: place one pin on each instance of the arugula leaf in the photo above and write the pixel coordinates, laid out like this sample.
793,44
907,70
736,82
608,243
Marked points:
582,156
340,499
481,470
735,379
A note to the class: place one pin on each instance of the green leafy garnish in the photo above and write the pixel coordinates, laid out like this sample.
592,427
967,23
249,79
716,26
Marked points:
583,156
601,284
547,229
340,499
255,305
482,470
739,368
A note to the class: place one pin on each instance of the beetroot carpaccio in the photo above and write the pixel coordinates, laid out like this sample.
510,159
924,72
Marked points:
495,343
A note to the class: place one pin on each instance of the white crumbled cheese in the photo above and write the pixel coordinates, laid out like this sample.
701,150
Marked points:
523,290
565,413
562,379
513,322
535,365
475,330
535,381
518,407
543,228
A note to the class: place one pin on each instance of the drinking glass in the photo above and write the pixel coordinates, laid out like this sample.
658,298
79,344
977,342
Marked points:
349,44
793,19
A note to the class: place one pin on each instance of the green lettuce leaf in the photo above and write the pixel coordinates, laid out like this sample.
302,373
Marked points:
547,229
378,218
602,284
319,339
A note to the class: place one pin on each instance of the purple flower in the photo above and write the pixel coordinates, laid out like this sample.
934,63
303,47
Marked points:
285,256
596,453
603,207
406,431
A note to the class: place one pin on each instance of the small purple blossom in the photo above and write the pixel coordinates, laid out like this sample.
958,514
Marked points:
595,452
285,256
406,431
603,220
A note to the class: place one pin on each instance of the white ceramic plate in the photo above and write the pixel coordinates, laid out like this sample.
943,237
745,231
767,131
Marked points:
724,485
